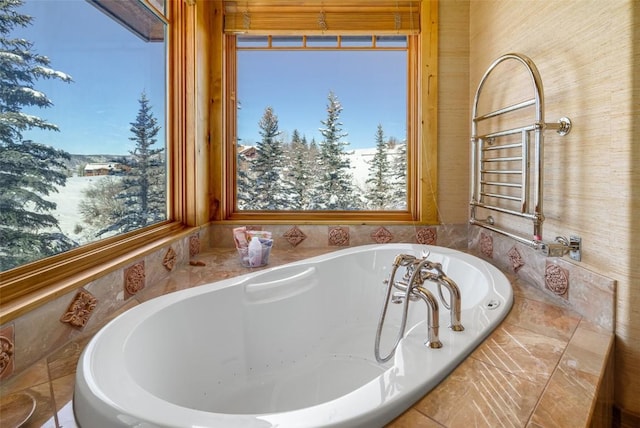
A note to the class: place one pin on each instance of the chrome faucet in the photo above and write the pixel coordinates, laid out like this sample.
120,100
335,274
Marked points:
432,271
410,288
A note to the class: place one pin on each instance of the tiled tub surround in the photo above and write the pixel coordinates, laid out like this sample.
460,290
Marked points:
547,364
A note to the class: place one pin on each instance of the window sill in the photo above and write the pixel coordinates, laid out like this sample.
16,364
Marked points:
32,285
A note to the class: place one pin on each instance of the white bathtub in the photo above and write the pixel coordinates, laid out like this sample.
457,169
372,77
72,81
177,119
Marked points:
291,346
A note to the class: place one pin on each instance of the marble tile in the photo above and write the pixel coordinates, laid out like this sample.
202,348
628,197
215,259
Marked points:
43,415
526,290
35,374
39,331
449,235
16,408
63,391
108,290
498,386
592,295
63,362
521,352
573,385
413,419
477,394
543,318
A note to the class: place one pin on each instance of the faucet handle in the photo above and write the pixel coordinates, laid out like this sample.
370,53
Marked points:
404,260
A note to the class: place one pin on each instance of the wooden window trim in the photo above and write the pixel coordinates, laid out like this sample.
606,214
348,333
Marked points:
421,135
29,286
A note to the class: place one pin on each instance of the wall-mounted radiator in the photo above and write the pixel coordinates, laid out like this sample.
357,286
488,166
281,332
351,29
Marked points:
507,153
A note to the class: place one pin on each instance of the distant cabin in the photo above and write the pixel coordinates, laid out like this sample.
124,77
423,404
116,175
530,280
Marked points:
249,152
108,168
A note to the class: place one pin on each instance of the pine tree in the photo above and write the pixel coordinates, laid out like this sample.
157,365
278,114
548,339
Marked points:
334,190
300,171
399,179
29,171
378,184
244,187
144,188
269,188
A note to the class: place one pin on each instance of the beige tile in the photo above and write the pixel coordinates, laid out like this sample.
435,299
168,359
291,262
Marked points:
573,386
63,391
413,419
521,352
44,413
63,362
532,292
477,394
543,318
36,374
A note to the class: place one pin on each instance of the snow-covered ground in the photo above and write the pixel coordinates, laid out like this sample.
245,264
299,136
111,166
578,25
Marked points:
68,207
68,197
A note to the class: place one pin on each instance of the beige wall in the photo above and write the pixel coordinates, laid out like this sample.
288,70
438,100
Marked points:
453,111
584,50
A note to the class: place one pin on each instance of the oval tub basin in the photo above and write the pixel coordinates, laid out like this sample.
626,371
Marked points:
290,346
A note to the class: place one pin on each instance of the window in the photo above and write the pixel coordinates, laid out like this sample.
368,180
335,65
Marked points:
323,112
86,172
80,162
321,123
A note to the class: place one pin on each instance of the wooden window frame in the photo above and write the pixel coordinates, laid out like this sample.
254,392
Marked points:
26,287
421,136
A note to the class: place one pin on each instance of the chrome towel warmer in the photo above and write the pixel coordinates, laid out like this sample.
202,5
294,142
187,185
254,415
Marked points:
503,177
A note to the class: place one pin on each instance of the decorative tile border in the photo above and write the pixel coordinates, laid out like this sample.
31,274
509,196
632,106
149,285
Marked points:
194,245
339,236
486,245
381,235
294,236
7,352
170,259
590,294
80,309
134,279
556,279
427,236
515,258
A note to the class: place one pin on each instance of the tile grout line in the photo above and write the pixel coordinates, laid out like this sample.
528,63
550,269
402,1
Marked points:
53,396
555,369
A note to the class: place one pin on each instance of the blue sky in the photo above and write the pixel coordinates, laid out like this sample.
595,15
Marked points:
371,87
111,67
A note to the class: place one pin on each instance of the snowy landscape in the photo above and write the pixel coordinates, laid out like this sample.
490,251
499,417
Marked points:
68,197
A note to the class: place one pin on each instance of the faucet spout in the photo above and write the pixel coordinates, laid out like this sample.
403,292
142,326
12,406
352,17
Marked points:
454,305
433,327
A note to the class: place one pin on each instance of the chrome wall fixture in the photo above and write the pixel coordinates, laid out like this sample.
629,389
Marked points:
506,171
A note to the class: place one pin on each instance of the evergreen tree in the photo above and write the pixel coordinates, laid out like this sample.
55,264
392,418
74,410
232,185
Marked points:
144,188
378,184
244,188
269,188
334,190
29,171
300,171
399,179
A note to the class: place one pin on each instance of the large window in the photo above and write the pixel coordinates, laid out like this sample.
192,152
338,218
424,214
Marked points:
92,122
324,111
82,124
321,123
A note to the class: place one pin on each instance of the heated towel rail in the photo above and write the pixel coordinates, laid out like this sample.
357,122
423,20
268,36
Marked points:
507,163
